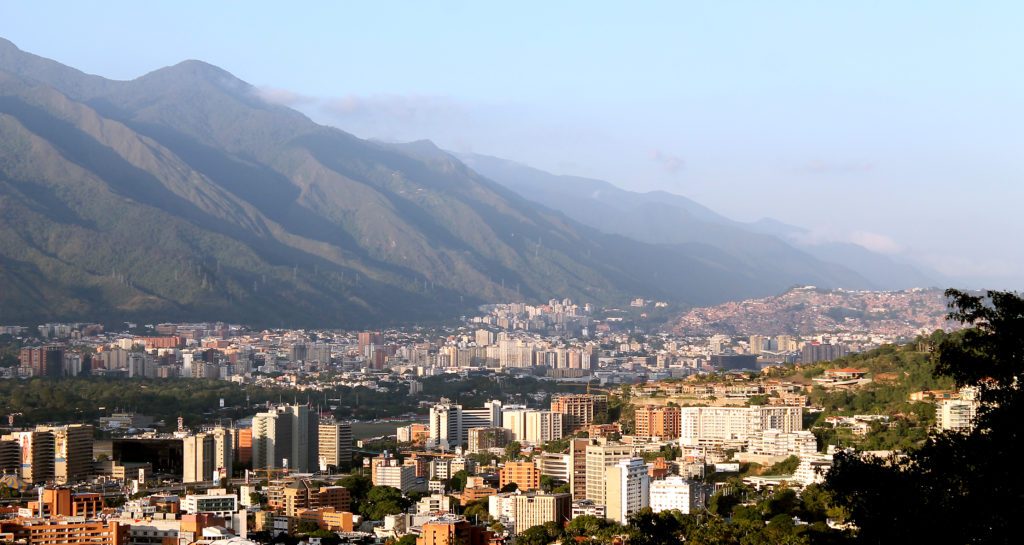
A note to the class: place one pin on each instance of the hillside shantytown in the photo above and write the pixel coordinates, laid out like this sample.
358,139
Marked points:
486,431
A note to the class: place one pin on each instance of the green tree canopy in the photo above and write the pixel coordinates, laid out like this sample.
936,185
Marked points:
382,501
958,487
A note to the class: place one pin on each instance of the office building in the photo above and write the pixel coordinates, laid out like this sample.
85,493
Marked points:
286,436
244,449
223,452
627,489
221,505
10,456
450,423
62,502
38,456
72,445
335,446
198,458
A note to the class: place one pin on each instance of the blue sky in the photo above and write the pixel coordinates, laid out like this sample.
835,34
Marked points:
899,125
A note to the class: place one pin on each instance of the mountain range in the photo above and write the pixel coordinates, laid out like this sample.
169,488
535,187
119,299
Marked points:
660,217
184,195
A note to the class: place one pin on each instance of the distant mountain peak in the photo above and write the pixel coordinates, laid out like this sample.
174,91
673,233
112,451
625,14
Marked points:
191,71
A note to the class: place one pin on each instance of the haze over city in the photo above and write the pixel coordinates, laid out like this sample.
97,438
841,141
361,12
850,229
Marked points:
894,126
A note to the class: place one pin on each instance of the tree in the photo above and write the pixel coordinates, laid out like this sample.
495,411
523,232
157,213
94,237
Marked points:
958,487
382,501
306,527
513,451
458,481
358,486
543,534
784,467
477,510
407,539
510,487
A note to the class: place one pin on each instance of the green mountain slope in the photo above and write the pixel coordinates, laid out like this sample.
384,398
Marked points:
183,195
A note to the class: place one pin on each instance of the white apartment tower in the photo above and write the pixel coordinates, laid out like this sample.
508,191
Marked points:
627,489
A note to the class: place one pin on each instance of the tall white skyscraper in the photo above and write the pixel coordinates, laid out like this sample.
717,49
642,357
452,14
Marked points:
627,489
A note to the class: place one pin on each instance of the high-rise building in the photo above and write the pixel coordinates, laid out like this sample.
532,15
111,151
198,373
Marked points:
72,445
37,455
578,468
787,343
10,456
627,489
482,439
656,422
815,352
600,457
581,409
244,446
286,436
335,445
543,426
758,344
42,361
368,342
450,423
483,337
223,451
531,425
199,454
524,474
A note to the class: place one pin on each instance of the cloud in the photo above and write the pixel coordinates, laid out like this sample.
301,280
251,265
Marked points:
284,97
876,242
405,108
670,163
836,167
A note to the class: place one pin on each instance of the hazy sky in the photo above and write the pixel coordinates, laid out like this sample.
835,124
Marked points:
899,125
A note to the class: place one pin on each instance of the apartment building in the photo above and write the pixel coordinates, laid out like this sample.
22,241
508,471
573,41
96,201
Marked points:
524,474
657,422
600,457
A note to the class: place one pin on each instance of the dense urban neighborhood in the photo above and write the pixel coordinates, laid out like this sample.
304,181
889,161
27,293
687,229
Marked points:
524,423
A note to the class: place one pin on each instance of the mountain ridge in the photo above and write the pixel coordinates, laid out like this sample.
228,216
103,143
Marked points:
182,194
665,218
